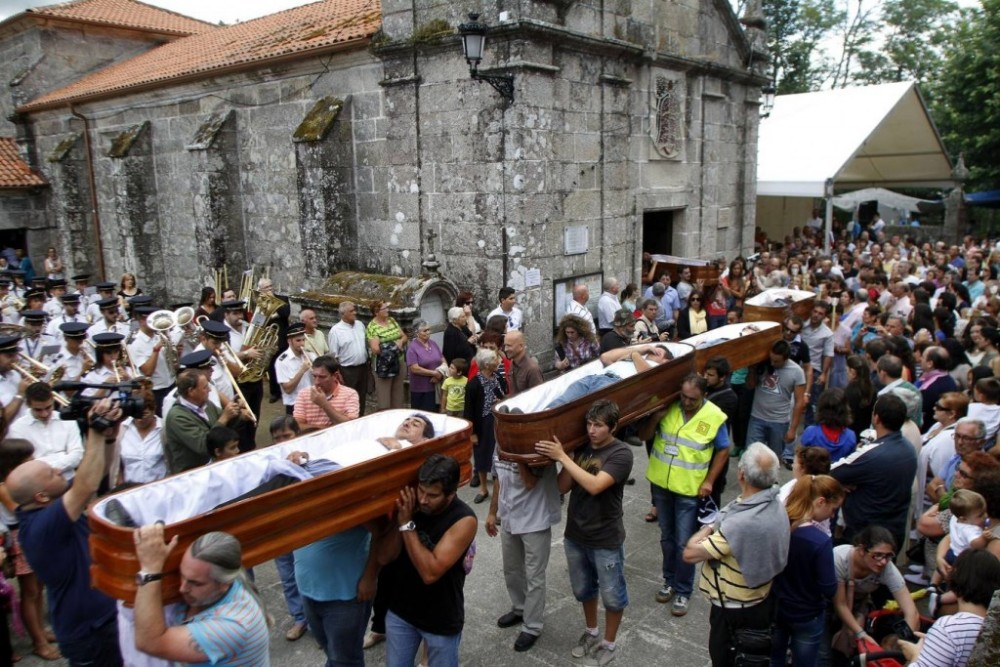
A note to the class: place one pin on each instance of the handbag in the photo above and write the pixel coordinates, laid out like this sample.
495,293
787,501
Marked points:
751,646
387,361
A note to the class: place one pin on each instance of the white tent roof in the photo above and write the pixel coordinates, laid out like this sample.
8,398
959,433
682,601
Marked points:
860,137
850,201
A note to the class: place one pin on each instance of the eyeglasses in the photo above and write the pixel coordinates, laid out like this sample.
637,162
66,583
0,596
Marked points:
967,438
938,406
791,330
881,557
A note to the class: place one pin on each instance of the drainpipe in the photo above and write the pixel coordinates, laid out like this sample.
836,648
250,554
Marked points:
88,149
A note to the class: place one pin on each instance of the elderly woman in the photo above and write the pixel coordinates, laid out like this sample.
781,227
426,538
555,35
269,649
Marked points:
576,343
482,392
459,341
423,359
387,340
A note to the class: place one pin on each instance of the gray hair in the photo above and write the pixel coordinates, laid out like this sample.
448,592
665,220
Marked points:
659,289
609,283
342,308
485,355
223,554
418,325
455,312
861,296
980,426
760,466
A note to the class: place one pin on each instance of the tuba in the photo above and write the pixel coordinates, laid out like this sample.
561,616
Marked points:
262,336
162,321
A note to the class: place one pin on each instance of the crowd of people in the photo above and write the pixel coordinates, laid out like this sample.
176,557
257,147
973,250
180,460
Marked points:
884,403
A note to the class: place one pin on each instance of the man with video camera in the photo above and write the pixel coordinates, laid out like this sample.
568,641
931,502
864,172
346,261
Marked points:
53,535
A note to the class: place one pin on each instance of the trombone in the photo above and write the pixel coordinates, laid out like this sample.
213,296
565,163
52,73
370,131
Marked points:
236,358
236,386
59,398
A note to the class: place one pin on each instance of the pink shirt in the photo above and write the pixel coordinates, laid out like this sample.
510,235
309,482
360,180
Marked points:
307,413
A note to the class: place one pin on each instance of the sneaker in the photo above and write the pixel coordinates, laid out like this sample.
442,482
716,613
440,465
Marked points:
665,594
915,568
680,607
372,638
599,657
587,643
917,579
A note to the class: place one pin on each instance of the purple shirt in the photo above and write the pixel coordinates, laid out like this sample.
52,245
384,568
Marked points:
429,359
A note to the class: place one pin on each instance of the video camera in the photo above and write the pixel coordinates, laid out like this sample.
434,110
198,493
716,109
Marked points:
80,405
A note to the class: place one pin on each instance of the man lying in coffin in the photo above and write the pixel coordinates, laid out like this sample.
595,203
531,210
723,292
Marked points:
298,465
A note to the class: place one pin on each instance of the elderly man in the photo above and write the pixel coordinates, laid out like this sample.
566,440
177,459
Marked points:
578,305
328,401
890,377
622,332
935,381
608,305
349,344
970,436
743,551
187,424
880,475
54,537
222,621
524,370
317,341
690,450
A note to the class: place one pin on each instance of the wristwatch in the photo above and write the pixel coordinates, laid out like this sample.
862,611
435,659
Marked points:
143,578
407,527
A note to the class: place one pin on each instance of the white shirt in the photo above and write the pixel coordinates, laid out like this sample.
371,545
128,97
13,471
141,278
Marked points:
100,326
580,310
73,363
219,378
142,457
53,307
347,342
141,350
52,329
9,382
285,369
97,376
515,318
56,442
33,347
171,398
236,337
93,311
607,306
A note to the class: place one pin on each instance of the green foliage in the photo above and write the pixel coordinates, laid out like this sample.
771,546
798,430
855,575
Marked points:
795,30
966,97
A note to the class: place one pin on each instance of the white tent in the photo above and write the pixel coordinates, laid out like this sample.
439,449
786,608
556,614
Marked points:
851,200
858,137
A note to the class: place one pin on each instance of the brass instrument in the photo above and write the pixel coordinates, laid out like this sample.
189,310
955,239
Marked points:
34,362
118,375
12,301
236,358
236,386
312,348
59,398
7,329
262,336
162,321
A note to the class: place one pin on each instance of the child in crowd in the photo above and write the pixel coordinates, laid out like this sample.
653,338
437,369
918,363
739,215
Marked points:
453,387
222,442
965,531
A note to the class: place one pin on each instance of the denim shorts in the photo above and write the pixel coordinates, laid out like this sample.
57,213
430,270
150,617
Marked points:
593,571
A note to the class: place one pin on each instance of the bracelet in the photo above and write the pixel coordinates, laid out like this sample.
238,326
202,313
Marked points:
859,634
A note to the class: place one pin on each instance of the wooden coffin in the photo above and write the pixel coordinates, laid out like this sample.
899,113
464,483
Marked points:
774,305
636,396
701,269
742,344
276,522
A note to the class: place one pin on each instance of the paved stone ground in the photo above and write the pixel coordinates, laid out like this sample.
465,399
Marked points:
649,634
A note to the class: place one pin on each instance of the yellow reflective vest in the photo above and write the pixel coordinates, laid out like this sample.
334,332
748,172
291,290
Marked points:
683,451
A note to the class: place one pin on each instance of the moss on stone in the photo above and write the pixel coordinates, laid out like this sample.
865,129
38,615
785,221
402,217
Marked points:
62,149
319,120
122,144
207,131
432,32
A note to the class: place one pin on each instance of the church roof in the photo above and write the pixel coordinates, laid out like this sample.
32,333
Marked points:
314,28
14,171
119,14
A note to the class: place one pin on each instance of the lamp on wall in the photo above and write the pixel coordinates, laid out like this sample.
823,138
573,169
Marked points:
767,102
473,36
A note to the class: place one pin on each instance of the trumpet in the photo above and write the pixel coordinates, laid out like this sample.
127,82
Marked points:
34,362
59,398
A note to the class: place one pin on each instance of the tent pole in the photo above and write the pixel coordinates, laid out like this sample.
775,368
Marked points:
828,227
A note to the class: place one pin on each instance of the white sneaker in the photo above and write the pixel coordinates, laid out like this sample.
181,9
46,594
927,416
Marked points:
586,645
917,579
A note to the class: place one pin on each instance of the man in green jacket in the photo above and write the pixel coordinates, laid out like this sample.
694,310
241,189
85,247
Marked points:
189,420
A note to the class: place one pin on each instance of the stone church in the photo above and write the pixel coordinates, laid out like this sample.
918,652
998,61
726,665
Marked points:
349,135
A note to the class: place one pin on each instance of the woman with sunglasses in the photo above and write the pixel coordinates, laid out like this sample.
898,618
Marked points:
692,320
863,568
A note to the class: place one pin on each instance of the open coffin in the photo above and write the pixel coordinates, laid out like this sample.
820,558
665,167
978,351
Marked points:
636,396
742,344
701,269
774,305
268,525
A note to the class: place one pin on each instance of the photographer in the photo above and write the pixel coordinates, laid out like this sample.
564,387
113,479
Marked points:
53,535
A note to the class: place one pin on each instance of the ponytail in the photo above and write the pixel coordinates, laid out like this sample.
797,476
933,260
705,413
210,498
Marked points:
807,489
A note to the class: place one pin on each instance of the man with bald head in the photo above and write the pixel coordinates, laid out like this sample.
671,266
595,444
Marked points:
53,535
524,370
578,305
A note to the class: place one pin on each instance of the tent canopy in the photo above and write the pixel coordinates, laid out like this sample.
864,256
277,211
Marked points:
870,136
851,200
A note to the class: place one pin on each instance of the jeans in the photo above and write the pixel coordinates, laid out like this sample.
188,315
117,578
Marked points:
580,388
817,389
597,571
403,641
678,517
98,649
771,434
525,558
339,627
285,563
804,637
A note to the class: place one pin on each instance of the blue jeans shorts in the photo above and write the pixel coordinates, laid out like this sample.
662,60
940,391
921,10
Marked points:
597,571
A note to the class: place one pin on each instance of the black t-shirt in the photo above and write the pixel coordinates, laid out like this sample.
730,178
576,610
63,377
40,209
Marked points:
438,608
799,352
596,521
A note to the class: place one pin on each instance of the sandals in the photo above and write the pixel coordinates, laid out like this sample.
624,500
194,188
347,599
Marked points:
651,516
480,498
47,652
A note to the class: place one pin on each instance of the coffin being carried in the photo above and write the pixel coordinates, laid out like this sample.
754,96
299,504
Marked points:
774,305
364,485
701,269
525,419
741,344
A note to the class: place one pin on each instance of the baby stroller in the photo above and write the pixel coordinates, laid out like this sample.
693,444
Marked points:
879,624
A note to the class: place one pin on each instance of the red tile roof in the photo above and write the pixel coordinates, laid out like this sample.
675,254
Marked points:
15,172
319,26
123,14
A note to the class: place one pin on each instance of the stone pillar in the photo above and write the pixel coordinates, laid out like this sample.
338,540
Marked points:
954,204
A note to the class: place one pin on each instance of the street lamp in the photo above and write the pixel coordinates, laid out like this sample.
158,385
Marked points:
473,36
768,92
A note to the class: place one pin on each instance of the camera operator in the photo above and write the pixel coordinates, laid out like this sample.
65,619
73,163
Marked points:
53,536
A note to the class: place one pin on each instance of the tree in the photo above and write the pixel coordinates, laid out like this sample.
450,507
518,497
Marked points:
795,31
965,98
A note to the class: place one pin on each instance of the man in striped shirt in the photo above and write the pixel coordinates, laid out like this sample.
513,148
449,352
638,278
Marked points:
328,401
743,551
222,621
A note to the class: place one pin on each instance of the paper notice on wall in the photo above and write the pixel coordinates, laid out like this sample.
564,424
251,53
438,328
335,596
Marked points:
532,278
